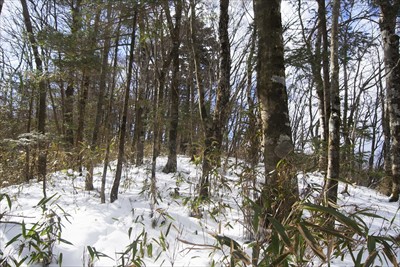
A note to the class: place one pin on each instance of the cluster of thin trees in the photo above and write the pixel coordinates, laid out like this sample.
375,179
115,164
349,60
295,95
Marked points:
258,80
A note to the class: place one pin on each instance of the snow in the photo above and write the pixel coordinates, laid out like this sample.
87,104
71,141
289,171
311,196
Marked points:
168,233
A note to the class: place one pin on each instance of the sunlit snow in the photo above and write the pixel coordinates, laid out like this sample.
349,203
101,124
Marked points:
169,233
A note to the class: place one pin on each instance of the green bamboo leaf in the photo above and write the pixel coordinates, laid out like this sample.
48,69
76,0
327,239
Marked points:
150,250
371,258
281,231
45,200
332,232
388,250
91,252
168,229
130,232
60,259
13,239
371,243
65,241
309,238
333,212
8,199
278,261
359,257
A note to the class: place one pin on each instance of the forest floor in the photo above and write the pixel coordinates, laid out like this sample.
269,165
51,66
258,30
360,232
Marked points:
112,234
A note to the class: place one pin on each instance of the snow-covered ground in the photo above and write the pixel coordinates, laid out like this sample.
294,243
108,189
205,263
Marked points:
112,233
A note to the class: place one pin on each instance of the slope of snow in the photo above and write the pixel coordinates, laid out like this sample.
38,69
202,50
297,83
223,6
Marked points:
167,235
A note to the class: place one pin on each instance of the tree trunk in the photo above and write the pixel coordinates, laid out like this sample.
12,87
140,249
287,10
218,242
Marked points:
221,112
140,104
326,86
213,127
68,116
69,92
99,110
122,132
204,116
333,171
108,130
271,87
42,159
171,165
389,13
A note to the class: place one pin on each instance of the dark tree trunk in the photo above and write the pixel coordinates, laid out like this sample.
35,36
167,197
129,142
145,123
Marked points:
213,127
108,121
122,131
222,109
42,159
204,116
326,86
69,116
171,165
99,110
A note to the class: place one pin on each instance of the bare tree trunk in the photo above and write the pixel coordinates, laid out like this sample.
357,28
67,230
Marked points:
68,116
271,86
214,128
122,132
252,153
389,11
326,86
69,92
221,112
99,109
333,171
171,165
42,160
204,116
108,130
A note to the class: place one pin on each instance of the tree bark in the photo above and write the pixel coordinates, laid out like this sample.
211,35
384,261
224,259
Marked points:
108,130
213,126
333,171
221,112
325,94
171,165
99,108
122,132
204,116
389,11
1,5
42,159
271,86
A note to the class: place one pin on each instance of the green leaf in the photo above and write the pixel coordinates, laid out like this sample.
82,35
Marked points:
15,238
65,241
359,257
91,252
130,232
168,229
150,250
278,261
8,199
281,231
60,259
371,258
388,250
309,238
333,212
371,244
45,200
